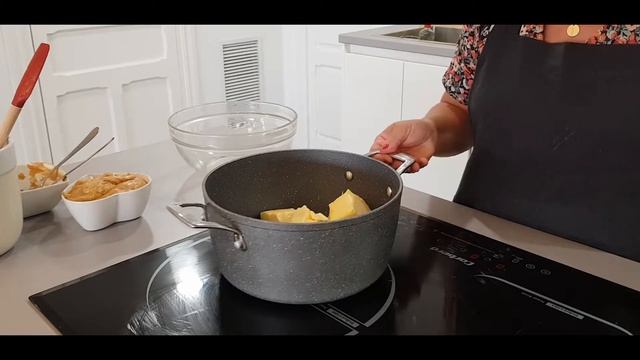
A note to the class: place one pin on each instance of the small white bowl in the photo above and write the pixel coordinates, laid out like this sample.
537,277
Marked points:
40,200
98,214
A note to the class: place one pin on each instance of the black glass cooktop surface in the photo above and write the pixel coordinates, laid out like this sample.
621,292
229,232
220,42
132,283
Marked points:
441,279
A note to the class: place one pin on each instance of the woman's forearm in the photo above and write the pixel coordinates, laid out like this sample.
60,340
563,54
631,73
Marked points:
451,121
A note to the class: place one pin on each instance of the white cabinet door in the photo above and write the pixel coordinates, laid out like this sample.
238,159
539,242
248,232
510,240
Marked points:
125,79
372,99
423,89
325,71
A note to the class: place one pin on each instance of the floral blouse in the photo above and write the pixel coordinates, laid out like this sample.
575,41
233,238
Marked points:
458,79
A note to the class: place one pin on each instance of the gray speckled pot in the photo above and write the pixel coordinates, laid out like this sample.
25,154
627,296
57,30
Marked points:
302,263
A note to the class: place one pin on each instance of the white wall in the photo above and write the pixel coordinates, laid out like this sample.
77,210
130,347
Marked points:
294,75
209,40
288,53
293,57
312,71
283,51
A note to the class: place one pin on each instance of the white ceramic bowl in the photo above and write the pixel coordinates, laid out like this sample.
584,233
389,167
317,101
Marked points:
98,214
40,200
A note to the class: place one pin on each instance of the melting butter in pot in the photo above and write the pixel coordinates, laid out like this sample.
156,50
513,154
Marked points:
346,206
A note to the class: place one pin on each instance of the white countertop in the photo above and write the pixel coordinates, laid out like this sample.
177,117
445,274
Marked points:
54,249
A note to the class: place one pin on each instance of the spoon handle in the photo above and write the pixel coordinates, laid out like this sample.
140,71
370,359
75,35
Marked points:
82,144
89,158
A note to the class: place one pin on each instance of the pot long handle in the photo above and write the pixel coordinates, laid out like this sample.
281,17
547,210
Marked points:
239,242
407,160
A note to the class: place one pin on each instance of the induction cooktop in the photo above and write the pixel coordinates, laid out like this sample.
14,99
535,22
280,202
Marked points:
441,279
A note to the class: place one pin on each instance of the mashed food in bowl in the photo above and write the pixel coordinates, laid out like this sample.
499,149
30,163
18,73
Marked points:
102,186
38,172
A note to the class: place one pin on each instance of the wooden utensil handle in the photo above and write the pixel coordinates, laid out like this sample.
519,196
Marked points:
7,124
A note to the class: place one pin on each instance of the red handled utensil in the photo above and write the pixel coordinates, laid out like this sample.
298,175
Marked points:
28,82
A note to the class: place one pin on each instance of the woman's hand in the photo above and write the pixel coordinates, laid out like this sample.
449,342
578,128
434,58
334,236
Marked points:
444,131
417,138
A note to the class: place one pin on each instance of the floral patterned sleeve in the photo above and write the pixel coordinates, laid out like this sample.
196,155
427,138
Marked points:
458,79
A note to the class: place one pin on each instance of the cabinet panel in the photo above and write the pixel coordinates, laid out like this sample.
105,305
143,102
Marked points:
372,99
126,79
325,71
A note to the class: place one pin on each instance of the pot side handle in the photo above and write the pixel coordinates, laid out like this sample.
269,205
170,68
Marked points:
406,159
175,209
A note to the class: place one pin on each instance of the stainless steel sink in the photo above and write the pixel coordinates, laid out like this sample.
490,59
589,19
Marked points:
443,34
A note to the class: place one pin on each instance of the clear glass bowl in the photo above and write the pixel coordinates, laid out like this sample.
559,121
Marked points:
210,135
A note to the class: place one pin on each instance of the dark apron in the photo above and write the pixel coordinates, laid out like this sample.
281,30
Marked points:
557,139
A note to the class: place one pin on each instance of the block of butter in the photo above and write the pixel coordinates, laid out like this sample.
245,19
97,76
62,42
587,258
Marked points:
348,205
278,215
300,215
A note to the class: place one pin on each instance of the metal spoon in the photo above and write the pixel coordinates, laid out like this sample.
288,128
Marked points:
82,144
89,158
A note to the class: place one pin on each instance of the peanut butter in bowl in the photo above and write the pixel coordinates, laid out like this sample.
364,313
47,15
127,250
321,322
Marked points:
40,175
102,186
